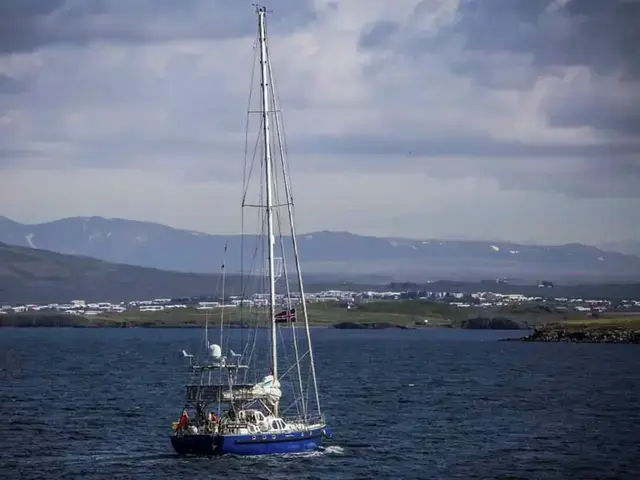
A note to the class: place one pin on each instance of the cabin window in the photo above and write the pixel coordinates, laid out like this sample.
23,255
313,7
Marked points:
275,425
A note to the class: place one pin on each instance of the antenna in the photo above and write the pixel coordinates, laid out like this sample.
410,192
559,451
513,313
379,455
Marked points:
223,275
261,8
206,329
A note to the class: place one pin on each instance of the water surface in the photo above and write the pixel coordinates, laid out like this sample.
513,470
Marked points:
442,404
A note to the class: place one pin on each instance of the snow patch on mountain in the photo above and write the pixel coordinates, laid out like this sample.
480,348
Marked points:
29,238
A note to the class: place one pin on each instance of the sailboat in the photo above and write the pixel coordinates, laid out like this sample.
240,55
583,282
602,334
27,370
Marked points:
259,400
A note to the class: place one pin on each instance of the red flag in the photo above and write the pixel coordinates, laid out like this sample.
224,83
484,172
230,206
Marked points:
184,419
286,316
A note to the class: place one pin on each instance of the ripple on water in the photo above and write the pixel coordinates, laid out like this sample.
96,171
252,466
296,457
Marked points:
82,403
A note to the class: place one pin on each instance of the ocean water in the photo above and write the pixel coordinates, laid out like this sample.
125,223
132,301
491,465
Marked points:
427,404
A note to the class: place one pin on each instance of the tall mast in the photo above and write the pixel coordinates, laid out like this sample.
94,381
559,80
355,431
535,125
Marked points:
264,64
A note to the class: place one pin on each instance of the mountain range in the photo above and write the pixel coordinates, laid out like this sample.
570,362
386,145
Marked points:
630,247
334,254
29,275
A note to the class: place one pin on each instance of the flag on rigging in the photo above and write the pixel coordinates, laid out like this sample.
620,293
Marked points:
184,419
286,316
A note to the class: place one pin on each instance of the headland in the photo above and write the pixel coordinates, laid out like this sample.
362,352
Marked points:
606,330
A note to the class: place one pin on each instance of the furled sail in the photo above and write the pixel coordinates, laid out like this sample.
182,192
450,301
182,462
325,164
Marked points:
268,388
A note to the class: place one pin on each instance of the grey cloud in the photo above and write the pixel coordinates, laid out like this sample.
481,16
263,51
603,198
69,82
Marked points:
19,20
602,35
18,157
181,154
511,43
6,152
26,25
10,85
494,73
378,34
602,178
456,145
208,140
609,170
596,109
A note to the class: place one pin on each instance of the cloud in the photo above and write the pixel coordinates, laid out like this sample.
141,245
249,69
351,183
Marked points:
513,44
26,25
552,33
520,98
10,85
608,105
548,80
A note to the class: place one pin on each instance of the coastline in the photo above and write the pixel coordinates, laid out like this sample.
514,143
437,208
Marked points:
55,321
388,321
541,329
621,331
406,314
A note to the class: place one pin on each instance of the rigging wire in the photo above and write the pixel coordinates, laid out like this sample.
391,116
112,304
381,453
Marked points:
290,205
280,149
244,188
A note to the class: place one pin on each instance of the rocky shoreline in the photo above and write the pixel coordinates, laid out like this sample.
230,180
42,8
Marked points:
585,333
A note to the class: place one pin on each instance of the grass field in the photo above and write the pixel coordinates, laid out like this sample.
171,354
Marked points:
400,313
628,322
320,315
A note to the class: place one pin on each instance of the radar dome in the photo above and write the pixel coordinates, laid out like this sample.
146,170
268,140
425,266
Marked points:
215,350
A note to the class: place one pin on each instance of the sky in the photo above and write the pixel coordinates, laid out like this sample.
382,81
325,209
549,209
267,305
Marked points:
488,119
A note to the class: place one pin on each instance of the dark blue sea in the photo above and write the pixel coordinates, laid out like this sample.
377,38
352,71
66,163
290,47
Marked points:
425,404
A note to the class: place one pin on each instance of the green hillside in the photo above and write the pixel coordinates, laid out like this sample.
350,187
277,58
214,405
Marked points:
39,276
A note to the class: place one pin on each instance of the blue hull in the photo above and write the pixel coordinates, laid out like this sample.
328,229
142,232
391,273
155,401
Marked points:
295,442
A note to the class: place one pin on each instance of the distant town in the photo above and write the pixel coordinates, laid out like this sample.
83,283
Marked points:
348,299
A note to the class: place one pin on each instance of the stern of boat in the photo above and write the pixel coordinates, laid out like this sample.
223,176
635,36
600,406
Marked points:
194,444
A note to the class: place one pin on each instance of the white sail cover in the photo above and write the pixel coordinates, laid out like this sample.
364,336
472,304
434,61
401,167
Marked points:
268,388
